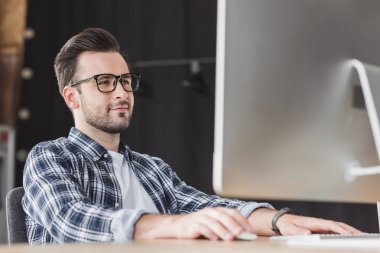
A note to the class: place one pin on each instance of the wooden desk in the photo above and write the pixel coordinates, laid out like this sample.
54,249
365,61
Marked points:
262,245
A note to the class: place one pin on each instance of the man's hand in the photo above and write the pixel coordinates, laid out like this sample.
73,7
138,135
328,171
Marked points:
300,225
211,223
289,224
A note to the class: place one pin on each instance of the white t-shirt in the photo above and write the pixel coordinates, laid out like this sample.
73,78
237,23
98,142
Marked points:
133,193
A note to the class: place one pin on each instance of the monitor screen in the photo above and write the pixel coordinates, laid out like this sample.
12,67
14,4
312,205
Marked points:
291,120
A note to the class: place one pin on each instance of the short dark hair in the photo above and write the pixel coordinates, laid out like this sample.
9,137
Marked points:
89,40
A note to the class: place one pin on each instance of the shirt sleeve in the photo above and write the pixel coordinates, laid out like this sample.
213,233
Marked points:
55,199
190,199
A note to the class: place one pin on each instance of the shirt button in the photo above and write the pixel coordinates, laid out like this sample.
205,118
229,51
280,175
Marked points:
105,155
117,204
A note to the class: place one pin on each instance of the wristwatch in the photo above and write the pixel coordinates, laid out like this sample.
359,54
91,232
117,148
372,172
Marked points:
281,212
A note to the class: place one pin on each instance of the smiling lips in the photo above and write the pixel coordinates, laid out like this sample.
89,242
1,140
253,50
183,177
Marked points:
124,108
120,107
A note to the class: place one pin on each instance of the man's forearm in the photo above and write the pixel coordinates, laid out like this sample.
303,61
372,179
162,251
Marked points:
212,223
154,226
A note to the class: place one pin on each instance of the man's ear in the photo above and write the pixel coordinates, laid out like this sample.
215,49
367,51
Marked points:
70,95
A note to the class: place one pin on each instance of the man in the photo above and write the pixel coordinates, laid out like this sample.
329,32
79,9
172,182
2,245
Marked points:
92,187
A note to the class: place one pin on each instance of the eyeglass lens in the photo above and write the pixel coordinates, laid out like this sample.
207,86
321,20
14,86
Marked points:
107,83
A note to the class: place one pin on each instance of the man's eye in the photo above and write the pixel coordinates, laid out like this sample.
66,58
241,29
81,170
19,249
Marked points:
104,82
126,81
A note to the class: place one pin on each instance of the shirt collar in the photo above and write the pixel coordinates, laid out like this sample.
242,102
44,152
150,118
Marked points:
91,147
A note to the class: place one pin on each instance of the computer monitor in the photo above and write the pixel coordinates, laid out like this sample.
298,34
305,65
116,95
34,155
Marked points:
291,120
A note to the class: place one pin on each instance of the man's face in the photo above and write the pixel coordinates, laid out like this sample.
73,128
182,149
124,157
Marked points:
110,112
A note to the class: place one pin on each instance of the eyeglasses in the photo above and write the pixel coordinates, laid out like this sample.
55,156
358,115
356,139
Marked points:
107,82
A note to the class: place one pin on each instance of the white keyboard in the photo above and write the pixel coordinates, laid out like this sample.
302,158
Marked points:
318,237
331,240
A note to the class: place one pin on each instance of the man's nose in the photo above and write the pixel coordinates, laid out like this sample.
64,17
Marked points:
119,90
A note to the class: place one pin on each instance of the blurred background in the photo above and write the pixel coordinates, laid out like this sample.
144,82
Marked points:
171,43
172,118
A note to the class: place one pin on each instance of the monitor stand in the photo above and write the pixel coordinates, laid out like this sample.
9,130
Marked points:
369,77
378,214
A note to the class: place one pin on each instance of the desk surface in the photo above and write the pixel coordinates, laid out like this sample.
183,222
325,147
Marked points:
262,245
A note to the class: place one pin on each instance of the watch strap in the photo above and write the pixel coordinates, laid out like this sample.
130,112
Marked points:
281,212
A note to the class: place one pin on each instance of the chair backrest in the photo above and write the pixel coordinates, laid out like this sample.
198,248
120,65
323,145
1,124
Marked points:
15,216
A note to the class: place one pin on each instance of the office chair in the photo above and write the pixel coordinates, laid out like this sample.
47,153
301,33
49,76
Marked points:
15,216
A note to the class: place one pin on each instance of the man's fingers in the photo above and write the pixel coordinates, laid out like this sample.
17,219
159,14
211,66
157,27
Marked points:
335,227
207,232
216,227
340,228
349,228
315,224
227,219
325,226
235,214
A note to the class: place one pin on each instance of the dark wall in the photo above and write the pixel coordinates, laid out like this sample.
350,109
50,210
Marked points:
169,121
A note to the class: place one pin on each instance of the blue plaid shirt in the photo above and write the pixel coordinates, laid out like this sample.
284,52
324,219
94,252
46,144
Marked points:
73,195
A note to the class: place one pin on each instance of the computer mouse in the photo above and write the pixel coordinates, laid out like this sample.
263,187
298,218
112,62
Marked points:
246,236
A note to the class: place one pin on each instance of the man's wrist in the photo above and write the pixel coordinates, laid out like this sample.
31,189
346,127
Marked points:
155,226
277,216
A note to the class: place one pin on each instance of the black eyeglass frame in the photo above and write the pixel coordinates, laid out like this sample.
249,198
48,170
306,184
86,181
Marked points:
117,80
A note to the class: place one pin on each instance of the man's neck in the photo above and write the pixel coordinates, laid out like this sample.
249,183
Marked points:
109,141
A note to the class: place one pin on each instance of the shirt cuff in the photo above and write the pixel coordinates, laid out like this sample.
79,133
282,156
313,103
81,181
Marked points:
123,224
248,208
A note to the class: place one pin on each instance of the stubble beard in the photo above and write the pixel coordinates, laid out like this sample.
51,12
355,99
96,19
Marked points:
105,122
